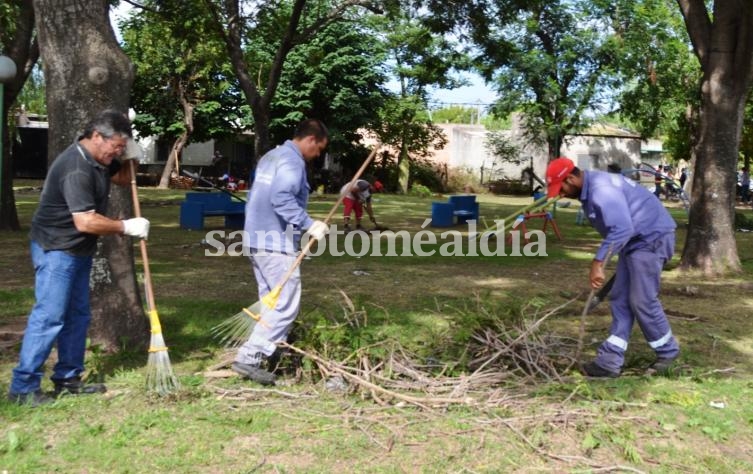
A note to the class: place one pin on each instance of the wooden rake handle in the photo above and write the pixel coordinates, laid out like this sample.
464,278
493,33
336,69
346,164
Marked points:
332,211
151,306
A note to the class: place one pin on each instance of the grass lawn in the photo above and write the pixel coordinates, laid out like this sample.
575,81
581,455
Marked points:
369,314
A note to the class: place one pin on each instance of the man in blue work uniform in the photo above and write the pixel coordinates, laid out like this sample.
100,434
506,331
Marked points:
275,217
636,226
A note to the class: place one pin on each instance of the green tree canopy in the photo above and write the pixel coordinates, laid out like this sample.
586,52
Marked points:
336,77
661,96
177,59
552,60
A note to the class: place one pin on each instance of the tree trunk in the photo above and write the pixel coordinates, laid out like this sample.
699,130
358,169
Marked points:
403,167
173,159
724,47
8,214
710,245
86,72
23,49
262,141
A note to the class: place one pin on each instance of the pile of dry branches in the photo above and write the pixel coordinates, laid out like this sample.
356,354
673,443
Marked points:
502,356
523,351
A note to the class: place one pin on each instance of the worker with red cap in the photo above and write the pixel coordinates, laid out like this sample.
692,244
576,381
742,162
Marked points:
634,225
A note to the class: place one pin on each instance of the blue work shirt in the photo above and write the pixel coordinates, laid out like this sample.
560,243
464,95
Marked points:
276,208
625,213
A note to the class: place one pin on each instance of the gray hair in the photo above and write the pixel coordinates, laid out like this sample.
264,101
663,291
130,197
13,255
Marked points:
108,123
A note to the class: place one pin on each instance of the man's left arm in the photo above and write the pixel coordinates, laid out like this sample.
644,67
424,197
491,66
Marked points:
370,211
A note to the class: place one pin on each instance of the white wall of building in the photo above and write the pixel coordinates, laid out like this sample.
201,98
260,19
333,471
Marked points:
466,150
591,152
198,154
195,154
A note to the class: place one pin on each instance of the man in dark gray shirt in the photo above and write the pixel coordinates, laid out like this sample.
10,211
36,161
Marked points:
64,232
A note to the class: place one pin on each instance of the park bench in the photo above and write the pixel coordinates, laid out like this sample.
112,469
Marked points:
459,209
198,205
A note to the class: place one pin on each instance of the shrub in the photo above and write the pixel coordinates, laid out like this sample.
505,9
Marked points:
424,173
420,190
509,186
461,180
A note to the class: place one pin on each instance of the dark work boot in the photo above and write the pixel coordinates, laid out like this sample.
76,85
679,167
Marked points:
33,399
254,372
74,386
592,369
662,366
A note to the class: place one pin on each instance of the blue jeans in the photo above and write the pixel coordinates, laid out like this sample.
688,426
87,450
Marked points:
60,314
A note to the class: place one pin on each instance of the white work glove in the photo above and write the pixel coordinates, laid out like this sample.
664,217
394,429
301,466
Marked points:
318,230
133,151
136,227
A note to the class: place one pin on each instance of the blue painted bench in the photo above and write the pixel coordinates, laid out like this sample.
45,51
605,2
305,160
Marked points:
465,207
459,209
198,205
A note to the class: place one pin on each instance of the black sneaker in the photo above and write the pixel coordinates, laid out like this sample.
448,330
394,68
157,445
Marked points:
74,386
254,372
592,369
661,366
33,399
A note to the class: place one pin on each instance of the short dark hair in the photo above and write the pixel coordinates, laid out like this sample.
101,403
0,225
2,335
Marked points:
108,123
311,127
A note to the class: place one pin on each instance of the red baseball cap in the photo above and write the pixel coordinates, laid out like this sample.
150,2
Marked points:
556,172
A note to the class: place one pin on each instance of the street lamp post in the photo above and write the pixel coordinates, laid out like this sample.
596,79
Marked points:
7,72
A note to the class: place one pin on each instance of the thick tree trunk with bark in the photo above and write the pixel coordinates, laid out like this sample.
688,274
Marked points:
710,245
23,49
86,72
723,43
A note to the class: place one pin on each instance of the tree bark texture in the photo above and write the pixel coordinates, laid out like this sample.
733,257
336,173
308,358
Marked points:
724,47
23,49
87,72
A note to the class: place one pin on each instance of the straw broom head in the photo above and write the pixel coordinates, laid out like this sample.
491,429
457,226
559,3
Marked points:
236,330
159,372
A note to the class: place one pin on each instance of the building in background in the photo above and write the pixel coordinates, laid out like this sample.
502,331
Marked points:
599,147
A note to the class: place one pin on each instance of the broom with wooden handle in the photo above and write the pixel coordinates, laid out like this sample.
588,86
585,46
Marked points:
237,329
159,373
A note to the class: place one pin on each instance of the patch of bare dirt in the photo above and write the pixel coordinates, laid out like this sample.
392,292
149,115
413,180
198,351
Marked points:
11,333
